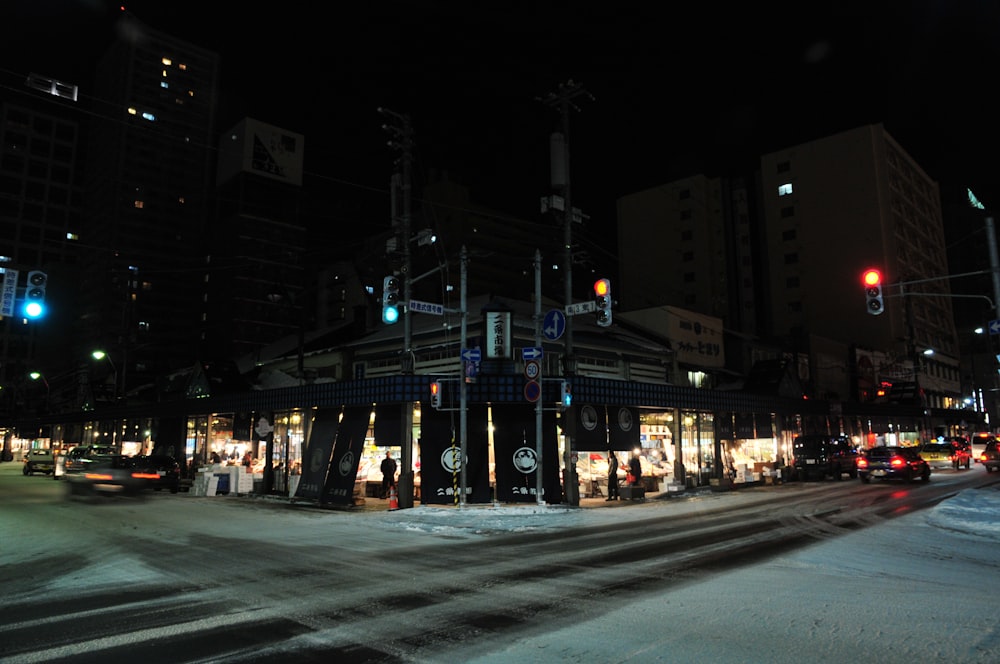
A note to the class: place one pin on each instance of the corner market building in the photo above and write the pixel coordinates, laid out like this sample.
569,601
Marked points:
634,386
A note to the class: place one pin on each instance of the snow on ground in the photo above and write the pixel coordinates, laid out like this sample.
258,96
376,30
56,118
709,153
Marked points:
923,587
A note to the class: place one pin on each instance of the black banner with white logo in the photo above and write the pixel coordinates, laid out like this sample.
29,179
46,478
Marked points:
339,488
441,456
516,455
316,461
589,428
623,428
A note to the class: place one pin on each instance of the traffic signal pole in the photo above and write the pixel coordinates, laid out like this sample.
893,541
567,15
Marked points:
403,141
562,100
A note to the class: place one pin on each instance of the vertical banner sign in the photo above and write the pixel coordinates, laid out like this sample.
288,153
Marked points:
497,335
9,293
623,428
339,488
316,461
514,450
441,458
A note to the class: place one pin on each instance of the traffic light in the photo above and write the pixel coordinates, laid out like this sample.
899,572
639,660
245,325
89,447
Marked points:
602,300
390,300
436,394
872,280
34,294
565,394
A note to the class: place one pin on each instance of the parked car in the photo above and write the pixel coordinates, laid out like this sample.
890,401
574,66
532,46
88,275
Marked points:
75,458
990,456
166,469
108,475
39,461
890,462
938,454
816,456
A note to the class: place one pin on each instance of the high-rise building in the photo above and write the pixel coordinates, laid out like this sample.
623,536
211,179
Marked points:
40,219
257,287
781,259
837,206
150,167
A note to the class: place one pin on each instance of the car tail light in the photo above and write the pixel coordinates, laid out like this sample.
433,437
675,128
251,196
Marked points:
145,476
862,462
897,462
983,457
97,476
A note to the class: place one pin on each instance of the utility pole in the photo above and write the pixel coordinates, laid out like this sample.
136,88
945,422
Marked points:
402,140
562,101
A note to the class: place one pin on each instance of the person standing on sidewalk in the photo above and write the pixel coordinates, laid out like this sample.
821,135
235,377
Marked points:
612,477
388,469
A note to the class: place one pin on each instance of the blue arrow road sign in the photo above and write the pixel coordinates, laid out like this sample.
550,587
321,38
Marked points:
995,326
554,324
531,353
472,354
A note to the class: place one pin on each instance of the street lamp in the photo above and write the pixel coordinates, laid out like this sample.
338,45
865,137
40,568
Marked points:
101,355
37,375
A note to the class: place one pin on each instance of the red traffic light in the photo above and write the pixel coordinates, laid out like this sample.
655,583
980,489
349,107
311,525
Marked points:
602,287
871,277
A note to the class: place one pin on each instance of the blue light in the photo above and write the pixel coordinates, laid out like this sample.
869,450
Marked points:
390,314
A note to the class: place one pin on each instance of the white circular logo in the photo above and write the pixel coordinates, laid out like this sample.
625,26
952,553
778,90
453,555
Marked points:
316,460
588,417
625,419
525,460
451,459
346,463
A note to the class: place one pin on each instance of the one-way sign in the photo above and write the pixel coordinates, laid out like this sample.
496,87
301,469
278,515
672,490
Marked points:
995,326
472,354
531,353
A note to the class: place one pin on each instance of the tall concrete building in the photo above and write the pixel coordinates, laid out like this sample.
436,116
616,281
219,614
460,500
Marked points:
256,282
835,207
40,221
779,254
149,174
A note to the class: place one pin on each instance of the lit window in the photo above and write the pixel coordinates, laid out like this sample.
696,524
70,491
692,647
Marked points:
166,61
149,116
182,67
164,84
164,73
138,205
72,236
132,111
785,189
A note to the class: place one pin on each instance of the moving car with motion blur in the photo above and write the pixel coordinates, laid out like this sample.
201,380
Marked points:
76,458
990,456
164,471
890,462
113,474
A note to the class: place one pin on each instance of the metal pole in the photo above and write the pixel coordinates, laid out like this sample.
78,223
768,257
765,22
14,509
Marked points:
463,417
539,486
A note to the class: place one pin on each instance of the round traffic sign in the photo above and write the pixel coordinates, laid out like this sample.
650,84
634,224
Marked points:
532,391
532,369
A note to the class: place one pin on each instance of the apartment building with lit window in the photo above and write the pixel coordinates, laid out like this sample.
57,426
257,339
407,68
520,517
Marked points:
149,178
836,206
778,255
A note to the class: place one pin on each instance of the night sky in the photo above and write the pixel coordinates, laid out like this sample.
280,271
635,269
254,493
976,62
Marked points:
676,91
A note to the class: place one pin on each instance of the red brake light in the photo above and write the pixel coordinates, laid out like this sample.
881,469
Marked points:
897,462
862,462
146,476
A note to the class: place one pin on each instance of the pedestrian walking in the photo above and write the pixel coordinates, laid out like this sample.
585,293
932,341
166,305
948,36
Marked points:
388,469
612,477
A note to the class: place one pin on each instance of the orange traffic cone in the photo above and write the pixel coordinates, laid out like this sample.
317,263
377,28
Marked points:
393,499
